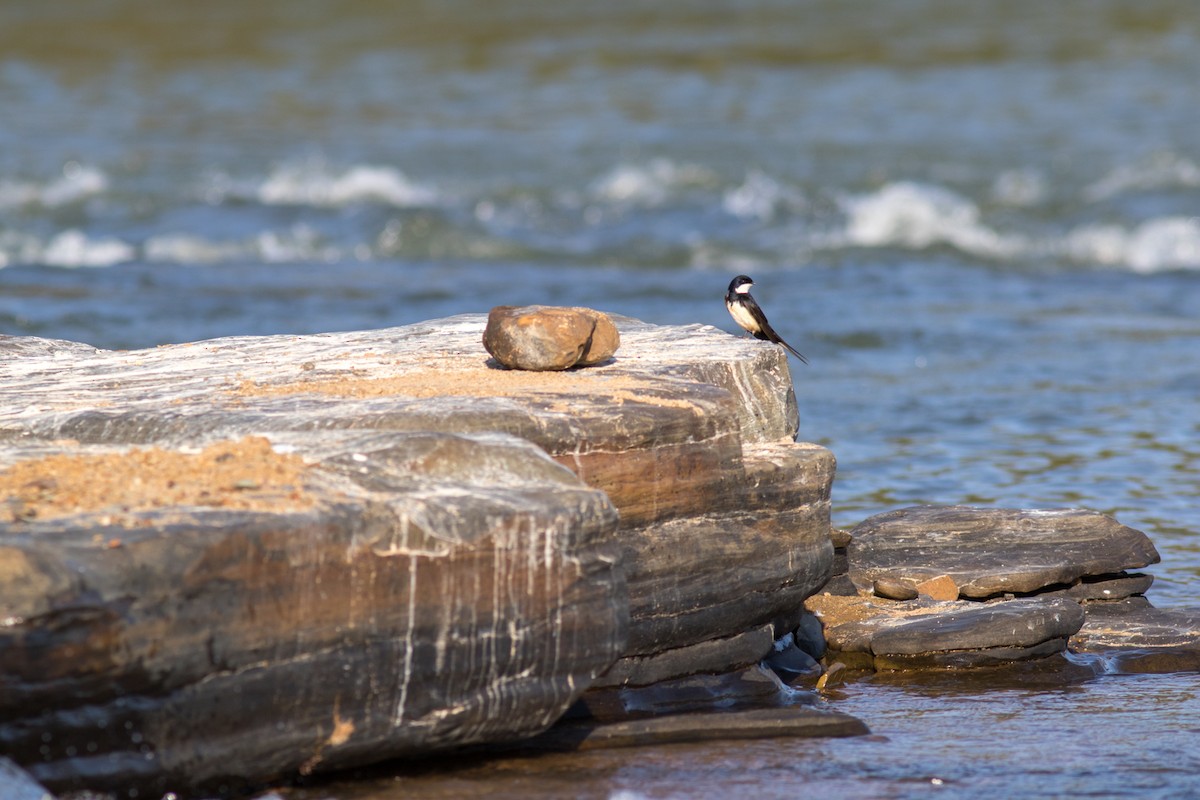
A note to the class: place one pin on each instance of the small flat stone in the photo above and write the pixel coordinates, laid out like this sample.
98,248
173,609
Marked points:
941,588
840,538
1105,587
959,634
542,338
990,552
893,589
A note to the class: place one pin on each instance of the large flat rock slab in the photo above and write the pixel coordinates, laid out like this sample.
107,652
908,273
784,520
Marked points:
989,552
448,554
367,595
882,635
659,428
425,372
689,432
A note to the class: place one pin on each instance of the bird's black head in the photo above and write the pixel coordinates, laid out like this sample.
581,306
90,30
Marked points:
741,283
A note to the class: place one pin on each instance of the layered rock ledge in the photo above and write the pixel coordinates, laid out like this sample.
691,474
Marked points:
239,559
959,586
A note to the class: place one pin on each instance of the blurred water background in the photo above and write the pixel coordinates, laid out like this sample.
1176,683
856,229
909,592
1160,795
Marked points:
979,220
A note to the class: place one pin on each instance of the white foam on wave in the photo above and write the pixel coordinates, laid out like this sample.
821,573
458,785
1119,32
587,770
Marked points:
760,197
299,243
77,182
74,248
649,184
917,215
296,244
314,184
1163,170
1155,245
185,248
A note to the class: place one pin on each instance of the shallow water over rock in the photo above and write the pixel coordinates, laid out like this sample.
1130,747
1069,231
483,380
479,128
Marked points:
981,734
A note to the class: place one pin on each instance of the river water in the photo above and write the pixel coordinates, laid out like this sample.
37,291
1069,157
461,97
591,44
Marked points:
980,222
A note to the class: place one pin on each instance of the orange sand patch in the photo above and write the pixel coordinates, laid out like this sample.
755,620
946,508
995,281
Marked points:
478,382
245,474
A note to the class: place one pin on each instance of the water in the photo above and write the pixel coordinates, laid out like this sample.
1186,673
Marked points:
979,221
939,739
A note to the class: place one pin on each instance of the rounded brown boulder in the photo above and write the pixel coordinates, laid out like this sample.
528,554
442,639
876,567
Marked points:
549,337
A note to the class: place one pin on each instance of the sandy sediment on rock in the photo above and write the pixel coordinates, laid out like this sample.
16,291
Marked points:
243,474
474,381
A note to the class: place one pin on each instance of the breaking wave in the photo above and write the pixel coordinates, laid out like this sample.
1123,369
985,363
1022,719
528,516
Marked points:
76,183
656,212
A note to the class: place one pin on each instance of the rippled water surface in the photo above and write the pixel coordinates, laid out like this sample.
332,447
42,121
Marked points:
980,221
946,737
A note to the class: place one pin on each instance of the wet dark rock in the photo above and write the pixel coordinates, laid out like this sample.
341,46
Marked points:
889,635
710,655
794,721
809,635
990,552
839,582
1134,636
753,687
840,585
1105,587
549,337
790,662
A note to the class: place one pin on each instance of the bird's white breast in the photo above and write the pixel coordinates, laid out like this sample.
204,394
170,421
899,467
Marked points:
742,317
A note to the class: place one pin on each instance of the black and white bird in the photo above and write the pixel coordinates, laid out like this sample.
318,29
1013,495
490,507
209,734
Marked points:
745,312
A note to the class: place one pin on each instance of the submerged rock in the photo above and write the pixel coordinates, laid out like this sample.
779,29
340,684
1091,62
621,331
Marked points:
990,552
764,723
747,688
1136,637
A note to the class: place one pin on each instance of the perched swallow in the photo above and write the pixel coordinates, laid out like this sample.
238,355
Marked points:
745,312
